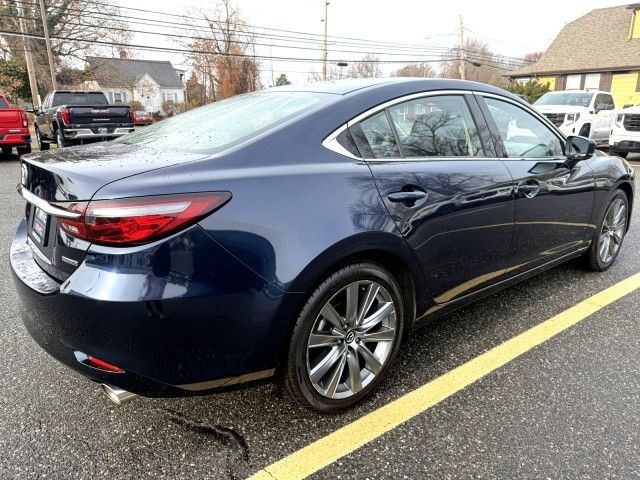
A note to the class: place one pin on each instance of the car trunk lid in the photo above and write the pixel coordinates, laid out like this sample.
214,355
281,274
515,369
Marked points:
52,181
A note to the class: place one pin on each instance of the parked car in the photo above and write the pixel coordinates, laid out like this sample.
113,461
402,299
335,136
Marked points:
70,117
14,128
625,132
579,112
142,118
300,233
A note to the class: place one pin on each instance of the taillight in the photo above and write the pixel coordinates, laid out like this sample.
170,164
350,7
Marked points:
134,221
25,120
64,113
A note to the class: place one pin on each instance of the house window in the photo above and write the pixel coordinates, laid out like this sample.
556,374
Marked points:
171,96
118,97
592,81
573,82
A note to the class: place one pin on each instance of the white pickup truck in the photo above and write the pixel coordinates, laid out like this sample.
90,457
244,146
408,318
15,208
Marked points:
625,132
579,112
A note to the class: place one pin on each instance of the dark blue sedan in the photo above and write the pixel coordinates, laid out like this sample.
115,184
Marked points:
300,233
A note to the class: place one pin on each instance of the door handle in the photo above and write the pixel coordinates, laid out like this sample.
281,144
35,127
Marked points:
528,189
407,198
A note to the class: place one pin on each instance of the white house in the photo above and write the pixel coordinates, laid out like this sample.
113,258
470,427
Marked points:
150,82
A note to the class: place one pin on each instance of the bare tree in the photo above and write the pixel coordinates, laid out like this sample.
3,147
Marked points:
532,57
482,65
415,70
73,25
367,67
224,53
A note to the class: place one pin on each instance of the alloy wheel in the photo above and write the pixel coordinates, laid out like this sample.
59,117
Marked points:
351,340
612,232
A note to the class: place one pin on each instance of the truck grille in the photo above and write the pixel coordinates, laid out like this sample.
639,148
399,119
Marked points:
556,118
632,123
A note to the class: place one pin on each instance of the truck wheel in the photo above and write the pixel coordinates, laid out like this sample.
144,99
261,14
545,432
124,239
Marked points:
617,153
60,140
6,150
24,150
42,145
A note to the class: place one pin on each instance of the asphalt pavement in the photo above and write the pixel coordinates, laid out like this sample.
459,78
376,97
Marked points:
565,409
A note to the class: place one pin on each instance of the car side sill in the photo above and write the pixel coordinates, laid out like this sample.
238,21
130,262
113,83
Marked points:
439,310
227,382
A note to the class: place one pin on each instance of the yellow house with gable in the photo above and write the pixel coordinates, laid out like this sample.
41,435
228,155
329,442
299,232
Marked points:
599,51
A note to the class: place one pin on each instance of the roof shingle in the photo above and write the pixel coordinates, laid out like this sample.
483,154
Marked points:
124,72
598,41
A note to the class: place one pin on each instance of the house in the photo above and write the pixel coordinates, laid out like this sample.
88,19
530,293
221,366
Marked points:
600,50
150,82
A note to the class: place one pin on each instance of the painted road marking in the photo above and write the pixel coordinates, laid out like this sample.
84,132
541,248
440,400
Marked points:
352,436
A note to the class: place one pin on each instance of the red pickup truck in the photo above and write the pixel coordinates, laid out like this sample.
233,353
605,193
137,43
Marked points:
14,128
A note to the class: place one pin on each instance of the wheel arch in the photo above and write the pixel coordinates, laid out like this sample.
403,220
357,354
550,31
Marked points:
385,249
628,191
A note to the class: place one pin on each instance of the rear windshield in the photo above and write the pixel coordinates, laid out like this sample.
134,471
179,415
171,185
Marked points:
226,122
3,103
70,98
565,98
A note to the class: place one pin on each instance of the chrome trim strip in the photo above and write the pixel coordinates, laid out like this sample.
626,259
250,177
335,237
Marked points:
70,261
331,142
88,133
45,206
227,382
37,252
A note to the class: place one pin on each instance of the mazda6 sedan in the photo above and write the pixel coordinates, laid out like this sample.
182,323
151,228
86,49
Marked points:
300,233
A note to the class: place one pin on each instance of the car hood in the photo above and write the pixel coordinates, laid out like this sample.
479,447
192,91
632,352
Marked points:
559,108
76,173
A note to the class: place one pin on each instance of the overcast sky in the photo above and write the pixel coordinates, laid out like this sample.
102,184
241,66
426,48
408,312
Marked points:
510,28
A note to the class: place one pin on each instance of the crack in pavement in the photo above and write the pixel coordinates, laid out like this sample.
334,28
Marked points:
237,447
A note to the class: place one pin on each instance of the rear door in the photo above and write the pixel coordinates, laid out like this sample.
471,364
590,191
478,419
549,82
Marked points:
553,202
441,182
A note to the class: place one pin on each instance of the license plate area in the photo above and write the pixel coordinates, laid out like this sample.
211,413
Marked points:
40,227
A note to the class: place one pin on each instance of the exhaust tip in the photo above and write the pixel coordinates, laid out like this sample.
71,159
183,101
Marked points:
117,395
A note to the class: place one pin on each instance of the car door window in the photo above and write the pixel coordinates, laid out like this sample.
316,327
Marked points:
375,137
436,126
522,134
604,102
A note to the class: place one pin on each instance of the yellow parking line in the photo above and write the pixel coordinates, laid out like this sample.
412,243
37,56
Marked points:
352,436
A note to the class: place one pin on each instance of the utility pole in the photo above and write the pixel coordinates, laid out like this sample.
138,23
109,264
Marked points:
33,85
462,60
48,42
325,53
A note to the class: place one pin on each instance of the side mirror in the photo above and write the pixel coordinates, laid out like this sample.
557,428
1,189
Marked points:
579,148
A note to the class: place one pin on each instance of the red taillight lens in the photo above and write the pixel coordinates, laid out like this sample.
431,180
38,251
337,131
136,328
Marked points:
134,221
66,117
25,120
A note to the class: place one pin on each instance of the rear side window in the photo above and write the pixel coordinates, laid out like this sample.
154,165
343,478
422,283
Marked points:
436,126
375,137
522,134
3,103
70,98
226,122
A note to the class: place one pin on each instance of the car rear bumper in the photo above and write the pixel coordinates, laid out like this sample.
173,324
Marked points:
14,137
89,133
181,318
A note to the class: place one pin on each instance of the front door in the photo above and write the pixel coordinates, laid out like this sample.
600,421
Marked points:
603,107
553,202
449,198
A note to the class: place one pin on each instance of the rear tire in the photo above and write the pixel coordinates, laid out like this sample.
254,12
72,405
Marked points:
346,338
41,145
6,150
24,150
617,153
610,233
60,140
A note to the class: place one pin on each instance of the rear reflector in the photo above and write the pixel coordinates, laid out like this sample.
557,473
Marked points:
139,220
97,363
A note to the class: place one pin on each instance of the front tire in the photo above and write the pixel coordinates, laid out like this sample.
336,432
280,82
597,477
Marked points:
346,338
609,236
